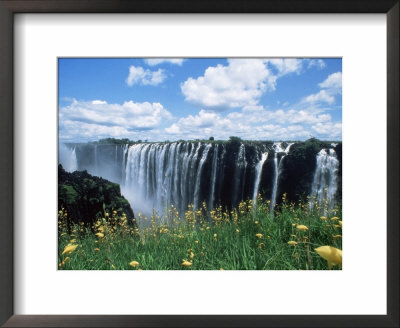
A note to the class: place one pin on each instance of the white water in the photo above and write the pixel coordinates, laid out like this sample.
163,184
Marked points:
324,185
277,169
240,171
67,158
213,178
199,171
259,168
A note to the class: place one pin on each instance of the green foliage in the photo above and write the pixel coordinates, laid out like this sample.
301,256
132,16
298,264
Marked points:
85,197
248,238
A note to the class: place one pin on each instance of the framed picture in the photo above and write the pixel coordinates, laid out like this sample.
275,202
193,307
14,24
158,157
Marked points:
196,155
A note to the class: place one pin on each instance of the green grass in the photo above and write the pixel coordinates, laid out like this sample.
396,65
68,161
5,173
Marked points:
209,240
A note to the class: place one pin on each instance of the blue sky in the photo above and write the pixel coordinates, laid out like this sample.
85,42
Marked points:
160,99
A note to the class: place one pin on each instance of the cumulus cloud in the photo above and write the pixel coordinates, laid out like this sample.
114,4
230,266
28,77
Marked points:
114,117
321,96
240,83
139,75
319,63
252,122
286,66
158,61
331,87
333,81
329,129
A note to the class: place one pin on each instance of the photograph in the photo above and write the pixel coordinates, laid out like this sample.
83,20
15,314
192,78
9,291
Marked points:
199,163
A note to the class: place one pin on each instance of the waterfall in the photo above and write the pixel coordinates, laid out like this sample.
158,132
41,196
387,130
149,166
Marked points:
96,162
324,186
198,180
259,168
240,171
67,158
160,174
277,169
213,177
125,150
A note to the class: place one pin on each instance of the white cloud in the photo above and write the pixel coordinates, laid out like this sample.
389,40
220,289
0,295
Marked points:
331,87
138,75
321,96
333,81
252,122
328,129
319,63
129,115
286,66
98,102
157,61
240,83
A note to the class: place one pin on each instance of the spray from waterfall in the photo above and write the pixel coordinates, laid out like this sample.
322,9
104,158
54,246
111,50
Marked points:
213,177
259,168
277,169
198,177
324,186
67,158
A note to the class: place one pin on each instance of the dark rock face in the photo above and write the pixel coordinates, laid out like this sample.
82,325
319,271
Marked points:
86,197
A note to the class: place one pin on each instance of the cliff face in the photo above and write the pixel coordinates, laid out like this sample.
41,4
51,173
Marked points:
86,197
156,175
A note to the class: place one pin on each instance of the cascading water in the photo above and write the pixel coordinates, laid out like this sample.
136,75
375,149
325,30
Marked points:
240,171
324,186
277,169
213,177
199,171
259,168
67,158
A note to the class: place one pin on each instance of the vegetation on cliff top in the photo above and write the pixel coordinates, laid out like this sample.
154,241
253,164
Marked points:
86,197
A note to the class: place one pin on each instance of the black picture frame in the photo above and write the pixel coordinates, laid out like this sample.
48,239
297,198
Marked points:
10,7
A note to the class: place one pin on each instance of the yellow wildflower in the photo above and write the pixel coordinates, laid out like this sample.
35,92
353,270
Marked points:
196,241
134,264
73,240
191,255
255,222
323,218
186,263
294,224
97,249
69,249
66,259
331,254
100,235
259,235
215,235
340,223
302,227
335,218
261,245
337,236
221,269
237,230
292,243
337,225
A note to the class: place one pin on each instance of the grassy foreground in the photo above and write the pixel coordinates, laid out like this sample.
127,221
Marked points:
249,238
